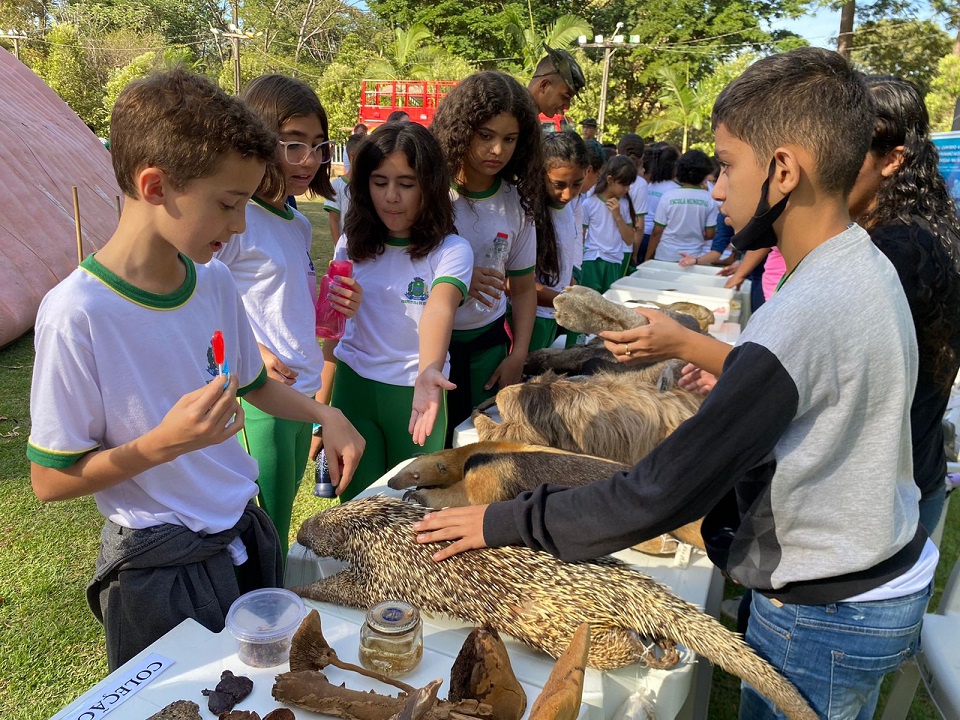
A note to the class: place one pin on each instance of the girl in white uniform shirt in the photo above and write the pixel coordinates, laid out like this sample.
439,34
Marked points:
659,168
686,216
608,225
415,273
559,246
491,139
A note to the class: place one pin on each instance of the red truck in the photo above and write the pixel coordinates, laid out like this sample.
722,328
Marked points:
419,99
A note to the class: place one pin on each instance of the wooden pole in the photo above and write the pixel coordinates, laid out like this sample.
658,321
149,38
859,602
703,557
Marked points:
76,220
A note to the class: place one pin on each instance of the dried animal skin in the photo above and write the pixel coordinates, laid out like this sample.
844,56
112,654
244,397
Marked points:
280,714
178,710
229,691
482,672
311,690
563,691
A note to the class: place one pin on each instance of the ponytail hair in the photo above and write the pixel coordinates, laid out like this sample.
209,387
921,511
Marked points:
559,149
621,169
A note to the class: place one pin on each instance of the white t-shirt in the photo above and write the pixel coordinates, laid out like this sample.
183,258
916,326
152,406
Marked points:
112,360
578,218
341,198
478,218
655,191
382,342
569,248
602,240
271,265
639,193
684,213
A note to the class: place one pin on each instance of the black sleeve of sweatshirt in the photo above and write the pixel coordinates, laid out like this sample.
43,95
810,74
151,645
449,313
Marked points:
737,426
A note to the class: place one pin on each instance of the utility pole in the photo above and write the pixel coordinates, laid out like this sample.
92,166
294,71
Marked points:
16,37
609,48
235,35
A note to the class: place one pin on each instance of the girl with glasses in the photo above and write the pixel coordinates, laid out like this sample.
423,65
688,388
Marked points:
271,264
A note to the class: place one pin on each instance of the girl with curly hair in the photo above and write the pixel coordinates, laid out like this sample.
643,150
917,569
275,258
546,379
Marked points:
491,139
901,199
415,272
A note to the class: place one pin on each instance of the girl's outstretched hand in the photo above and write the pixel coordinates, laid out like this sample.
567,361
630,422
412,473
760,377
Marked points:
462,525
427,393
346,294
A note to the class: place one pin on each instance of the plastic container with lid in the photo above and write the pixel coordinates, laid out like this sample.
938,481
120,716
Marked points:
263,622
391,639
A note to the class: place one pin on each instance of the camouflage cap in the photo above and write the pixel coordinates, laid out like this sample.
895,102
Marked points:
567,68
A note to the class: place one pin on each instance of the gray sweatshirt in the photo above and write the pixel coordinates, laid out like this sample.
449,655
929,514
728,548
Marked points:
800,457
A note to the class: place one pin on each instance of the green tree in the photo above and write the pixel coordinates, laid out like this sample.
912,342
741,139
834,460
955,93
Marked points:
944,91
681,107
908,49
527,41
68,71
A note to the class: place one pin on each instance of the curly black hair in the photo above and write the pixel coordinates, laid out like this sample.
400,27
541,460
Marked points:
365,231
477,99
916,194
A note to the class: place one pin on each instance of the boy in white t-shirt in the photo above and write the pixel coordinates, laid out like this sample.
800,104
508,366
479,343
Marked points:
128,402
338,205
686,217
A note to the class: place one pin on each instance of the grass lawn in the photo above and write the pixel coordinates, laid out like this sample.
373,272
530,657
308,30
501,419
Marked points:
51,648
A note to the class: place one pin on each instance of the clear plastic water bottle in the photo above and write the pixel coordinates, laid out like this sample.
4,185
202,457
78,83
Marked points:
330,321
323,484
496,259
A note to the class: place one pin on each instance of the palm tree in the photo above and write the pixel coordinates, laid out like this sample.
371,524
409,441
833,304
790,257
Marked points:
681,106
409,55
521,31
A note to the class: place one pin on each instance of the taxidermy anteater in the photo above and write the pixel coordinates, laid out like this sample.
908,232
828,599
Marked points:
529,595
493,471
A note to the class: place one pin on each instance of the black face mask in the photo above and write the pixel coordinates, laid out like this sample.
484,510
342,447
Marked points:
758,233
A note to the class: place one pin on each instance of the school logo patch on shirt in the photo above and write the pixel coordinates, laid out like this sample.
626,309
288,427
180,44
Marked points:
416,291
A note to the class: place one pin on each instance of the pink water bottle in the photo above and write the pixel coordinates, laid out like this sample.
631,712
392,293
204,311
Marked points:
330,321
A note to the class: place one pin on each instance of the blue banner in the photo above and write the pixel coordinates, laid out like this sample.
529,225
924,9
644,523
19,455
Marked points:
948,145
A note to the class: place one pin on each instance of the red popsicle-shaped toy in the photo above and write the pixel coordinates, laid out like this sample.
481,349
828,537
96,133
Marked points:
219,354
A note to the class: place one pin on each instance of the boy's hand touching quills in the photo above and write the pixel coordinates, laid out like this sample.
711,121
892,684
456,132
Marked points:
462,525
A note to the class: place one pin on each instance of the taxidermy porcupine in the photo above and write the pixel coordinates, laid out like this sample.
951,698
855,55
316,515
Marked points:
529,595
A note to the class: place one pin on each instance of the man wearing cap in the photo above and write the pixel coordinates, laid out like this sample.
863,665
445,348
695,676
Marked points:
589,129
556,80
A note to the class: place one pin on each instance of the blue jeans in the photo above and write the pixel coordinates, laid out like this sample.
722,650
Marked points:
835,654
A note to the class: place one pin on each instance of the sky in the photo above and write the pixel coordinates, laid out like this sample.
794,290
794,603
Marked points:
819,28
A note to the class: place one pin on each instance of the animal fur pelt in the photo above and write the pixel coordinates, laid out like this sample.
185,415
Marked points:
593,358
493,471
614,416
529,595
584,310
